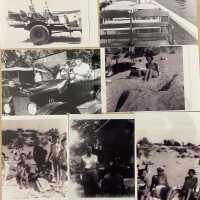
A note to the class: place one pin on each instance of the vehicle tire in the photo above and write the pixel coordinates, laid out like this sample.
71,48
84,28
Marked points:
66,109
39,34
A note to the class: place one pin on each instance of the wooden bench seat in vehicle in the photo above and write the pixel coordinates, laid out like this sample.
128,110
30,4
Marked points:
135,26
115,25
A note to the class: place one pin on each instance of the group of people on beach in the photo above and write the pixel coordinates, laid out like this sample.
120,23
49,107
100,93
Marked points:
45,164
159,188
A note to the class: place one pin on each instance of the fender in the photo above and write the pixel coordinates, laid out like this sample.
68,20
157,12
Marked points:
33,23
57,108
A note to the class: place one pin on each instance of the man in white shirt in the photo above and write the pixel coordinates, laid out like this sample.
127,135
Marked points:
89,163
82,70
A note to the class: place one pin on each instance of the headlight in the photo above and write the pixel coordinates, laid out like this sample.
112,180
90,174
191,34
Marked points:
7,108
32,108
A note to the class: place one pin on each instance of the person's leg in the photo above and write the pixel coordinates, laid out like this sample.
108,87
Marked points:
59,172
142,197
150,74
26,180
55,169
189,194
19,181
147,75
94,183
169,194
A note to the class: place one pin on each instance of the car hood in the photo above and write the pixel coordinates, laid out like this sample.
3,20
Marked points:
48,86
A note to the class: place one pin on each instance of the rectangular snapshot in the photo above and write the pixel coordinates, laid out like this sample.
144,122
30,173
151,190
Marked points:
49,24
34,158
168,155
144,79
148,23
102,157
51,82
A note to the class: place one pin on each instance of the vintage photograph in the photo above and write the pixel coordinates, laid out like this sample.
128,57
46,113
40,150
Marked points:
101,158
168,156
148,22
144,79
51,82
34,159
47,23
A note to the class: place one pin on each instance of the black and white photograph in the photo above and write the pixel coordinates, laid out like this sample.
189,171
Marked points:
168,156
48,23
144,79
51,82
34,159
148,22
101,158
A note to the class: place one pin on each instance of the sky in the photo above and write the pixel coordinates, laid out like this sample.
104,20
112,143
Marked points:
40,124
180,126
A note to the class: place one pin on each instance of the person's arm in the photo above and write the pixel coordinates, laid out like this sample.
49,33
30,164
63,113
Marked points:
153,181
195,184
50,154
166,181
189,194
157,68
82,167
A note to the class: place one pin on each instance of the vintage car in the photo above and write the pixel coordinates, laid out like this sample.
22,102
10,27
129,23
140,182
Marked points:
24,94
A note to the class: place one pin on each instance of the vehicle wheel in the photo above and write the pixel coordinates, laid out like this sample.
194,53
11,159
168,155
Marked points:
39,34
66,109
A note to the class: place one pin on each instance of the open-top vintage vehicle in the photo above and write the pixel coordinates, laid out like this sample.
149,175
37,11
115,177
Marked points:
24,95
135,24
43,25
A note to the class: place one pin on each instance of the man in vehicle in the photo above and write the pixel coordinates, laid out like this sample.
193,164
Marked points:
89,163
82,70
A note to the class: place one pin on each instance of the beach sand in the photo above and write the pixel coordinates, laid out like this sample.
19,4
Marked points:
145,96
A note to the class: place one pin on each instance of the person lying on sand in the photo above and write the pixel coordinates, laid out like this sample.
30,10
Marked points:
152,68
159,185
190,185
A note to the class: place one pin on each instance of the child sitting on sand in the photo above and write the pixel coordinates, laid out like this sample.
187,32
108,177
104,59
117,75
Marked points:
22,172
